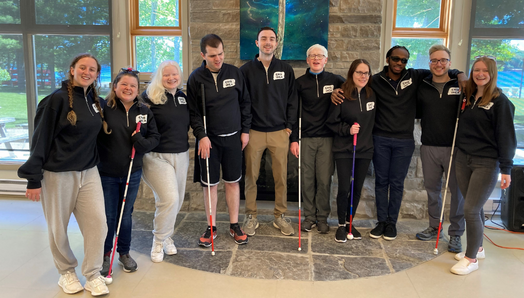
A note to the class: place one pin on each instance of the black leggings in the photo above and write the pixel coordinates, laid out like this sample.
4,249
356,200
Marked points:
344,168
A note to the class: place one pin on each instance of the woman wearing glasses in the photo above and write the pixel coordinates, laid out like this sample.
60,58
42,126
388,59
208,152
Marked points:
356,115
124,109
486,141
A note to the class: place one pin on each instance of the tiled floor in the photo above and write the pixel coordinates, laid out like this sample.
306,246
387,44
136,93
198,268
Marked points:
27,270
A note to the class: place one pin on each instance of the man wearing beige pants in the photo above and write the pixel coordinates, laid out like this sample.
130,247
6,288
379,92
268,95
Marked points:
271,85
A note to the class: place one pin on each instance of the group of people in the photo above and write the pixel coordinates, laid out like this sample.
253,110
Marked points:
80,153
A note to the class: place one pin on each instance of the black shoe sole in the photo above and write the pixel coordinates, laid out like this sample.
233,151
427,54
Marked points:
340,241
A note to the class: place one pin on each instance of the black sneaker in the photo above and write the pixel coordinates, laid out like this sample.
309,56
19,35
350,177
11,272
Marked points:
308,224
454,244
428,234
341,234
390,232
105,266
127,263
322,226
356,234
378,231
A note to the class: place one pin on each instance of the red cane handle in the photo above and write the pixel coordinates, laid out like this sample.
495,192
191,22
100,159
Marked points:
138,124
355,137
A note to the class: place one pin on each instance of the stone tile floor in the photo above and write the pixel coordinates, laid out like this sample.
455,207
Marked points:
271,255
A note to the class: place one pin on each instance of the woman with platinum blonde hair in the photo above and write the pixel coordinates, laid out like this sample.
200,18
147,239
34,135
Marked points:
165,167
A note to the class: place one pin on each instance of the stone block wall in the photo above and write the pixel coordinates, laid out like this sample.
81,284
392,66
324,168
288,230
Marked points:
354,32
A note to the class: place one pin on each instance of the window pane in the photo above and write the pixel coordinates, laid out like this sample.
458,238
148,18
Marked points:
159,13
152,50
13,102
10,12
499,14
418,49
418,14
72,12
55,52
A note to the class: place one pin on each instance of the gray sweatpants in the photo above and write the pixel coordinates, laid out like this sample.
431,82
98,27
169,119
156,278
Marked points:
79,193
166,175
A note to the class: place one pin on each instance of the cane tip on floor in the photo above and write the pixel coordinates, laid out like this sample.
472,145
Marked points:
435,251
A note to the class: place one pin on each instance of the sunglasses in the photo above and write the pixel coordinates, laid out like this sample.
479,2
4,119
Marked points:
129,70
487,56
397,59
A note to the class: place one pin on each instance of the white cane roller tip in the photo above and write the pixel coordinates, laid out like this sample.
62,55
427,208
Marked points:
108,280
350,236
300,248
435,251
212,253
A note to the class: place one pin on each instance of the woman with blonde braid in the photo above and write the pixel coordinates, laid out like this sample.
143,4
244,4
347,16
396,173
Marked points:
62,172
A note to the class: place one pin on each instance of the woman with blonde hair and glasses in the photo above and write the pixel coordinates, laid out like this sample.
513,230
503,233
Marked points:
486,142
165,168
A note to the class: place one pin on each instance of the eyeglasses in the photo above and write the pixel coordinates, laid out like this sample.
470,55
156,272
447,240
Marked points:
316,56
362,74
129,70
487,56
442,61
397,59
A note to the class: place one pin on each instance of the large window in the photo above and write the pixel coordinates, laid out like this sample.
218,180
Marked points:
497,29
38,39
156,33
419,24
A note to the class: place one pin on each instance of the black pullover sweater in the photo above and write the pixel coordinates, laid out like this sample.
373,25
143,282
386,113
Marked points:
273,95
343,116
228,106
172,121
57,145
115,148
488,131
438,112
314,96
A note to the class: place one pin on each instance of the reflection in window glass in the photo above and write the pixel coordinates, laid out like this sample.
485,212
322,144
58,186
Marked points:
152,50
72,12
418,50
54,56
499,14
13,103
10,12
159,13
418,14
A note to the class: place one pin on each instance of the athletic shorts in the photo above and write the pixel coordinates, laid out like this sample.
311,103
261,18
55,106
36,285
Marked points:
225,151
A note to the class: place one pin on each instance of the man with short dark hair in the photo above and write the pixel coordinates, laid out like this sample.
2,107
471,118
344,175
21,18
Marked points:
228,119
271,84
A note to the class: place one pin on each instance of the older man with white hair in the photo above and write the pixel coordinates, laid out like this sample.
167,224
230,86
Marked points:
314,91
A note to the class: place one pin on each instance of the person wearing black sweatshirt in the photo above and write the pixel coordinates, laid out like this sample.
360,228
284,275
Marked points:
228,118
356,115
61,171
395,89
314,91
271,86
438,101
486,144
124,109
165,167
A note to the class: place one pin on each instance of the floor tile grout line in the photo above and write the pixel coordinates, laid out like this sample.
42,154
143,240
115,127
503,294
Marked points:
388,262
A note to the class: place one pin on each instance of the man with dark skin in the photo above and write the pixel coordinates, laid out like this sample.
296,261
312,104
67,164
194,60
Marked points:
396,89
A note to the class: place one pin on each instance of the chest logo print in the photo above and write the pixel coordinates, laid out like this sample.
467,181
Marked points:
370,106
454,91
278,75
181,100
228,83
487,106
328,89
141,118
95,108
406,83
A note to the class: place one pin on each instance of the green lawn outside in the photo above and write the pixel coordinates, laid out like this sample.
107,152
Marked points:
14,104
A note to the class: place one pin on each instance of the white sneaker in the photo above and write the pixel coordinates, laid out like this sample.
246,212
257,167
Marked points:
169,246
97,287
480,255
69,283
464,267
157,252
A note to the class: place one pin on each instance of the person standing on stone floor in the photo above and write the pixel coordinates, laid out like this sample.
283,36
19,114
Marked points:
271,85
314,91
438,101
228,119
395,88
356,115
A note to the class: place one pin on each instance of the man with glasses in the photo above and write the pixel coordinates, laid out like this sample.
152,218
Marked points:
314,91
438,101
395,88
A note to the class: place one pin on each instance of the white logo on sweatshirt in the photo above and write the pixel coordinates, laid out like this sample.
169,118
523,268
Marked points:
405,83
182,100
454,91
370,106
228,83
487,106
278,75
141,118
95,108
328,89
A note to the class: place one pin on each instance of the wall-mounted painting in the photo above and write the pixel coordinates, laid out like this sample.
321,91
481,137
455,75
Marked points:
304,23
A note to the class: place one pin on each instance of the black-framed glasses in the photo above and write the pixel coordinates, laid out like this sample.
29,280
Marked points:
397,59
487,56
362,74
130,70
316,56
442,61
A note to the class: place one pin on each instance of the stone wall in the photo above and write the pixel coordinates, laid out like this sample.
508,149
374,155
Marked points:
354,32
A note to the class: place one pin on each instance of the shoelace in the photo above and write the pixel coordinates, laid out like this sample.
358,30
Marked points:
169,241
70,278
251,222
158,247
98,282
